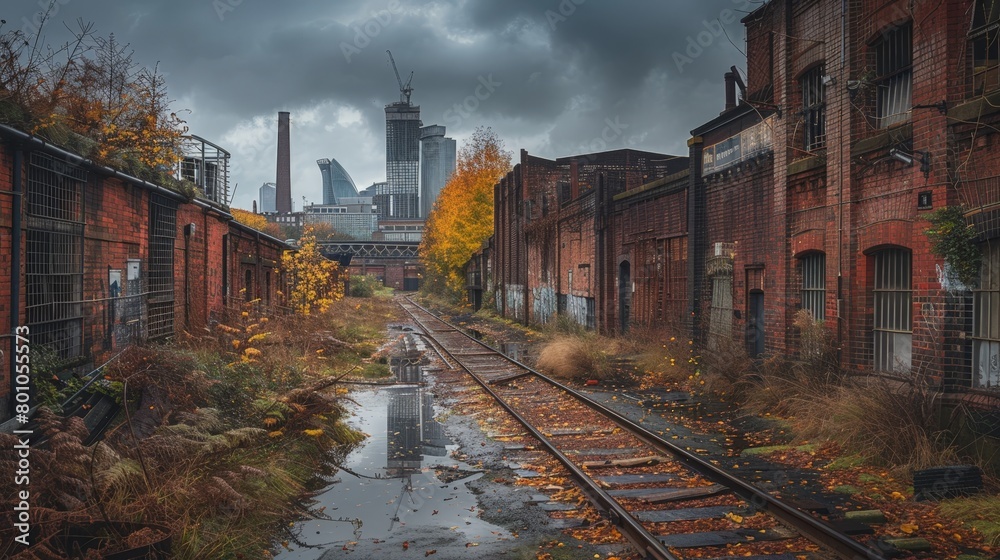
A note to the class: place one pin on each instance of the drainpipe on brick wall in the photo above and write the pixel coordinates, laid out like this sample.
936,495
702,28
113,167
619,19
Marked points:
188,232
15,274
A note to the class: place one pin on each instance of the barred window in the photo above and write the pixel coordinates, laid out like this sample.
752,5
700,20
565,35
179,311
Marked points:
893,300
814,284
814,108
984,38
54,255
162,232
986,320
894,75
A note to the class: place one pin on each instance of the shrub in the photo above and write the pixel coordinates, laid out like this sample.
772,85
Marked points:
575,358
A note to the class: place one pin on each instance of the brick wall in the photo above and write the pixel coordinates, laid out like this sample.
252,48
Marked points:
116,230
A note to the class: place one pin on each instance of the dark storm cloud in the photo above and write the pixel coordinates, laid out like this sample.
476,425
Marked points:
553,76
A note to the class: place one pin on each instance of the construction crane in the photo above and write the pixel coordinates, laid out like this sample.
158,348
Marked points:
404,90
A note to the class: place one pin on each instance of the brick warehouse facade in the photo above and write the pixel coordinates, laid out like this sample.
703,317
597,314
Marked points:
105,259
555,234
812,190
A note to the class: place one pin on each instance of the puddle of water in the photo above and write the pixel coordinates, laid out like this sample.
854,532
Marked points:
394,492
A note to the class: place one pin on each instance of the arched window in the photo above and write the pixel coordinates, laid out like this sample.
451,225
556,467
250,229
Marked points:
893,316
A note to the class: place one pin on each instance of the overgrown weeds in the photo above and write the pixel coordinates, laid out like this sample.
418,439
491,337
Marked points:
222,433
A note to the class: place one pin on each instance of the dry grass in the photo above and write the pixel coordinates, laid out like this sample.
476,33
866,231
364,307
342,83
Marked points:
886,422
224,433
574,358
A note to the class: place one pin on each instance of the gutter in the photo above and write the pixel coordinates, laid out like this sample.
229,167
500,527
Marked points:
22,136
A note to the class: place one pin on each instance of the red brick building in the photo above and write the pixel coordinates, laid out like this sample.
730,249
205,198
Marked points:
813,189
96,259
557,247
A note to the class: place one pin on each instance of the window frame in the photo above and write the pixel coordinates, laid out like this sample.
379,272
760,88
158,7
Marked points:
893,54
892,310
986,324
813,108
984,38
812,270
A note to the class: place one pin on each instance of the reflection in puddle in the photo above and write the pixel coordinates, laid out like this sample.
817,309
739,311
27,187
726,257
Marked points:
389,489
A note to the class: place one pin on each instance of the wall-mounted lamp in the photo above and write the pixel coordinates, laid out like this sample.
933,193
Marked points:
925,159
902,156
829,80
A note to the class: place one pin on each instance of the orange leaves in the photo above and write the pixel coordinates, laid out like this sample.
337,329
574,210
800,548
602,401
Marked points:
463,214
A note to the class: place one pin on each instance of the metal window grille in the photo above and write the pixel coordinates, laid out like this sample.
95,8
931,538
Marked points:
814,285
893,301
986,320
54,255
162,232
894,75
814,108
984,38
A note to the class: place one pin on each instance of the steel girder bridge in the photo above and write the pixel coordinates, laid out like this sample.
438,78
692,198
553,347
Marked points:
342,251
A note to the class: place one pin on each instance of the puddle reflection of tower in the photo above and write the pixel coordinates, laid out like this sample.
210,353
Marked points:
412,430
403,424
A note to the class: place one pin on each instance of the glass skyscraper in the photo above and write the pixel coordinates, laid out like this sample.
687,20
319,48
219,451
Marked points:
402,162
337,183
437,163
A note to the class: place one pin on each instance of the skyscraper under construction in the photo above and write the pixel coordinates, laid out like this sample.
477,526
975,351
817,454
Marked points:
402,161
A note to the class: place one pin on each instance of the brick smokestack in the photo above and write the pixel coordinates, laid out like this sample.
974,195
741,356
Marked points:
730,90
283,182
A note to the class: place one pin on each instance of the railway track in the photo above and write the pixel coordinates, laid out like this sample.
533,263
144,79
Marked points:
644,485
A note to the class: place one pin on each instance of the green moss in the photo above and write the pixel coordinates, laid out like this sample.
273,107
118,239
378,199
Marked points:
375,371
981,512
846,489
848,462
767,450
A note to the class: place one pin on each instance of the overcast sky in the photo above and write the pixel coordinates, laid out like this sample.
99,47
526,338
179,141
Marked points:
554,77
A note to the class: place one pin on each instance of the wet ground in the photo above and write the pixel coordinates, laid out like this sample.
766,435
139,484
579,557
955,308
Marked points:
421,487
430,483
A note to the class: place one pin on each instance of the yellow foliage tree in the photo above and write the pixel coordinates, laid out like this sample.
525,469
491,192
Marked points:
247,218
257,222
314,279
91,87
462,217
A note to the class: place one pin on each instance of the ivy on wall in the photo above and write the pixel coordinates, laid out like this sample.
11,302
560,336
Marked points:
954,239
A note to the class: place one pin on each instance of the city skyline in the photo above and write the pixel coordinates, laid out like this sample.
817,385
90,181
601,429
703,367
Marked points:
553,77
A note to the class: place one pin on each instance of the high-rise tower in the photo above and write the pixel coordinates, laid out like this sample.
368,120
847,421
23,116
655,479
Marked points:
337,183
283,194
402,160
437,163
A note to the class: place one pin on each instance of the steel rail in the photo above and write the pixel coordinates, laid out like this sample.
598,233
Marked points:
815,530
631,528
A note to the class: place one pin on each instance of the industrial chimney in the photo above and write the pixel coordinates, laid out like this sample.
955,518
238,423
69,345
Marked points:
283,191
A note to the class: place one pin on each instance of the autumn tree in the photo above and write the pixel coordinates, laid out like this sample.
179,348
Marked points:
258,222
89,94
462,218
313,279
